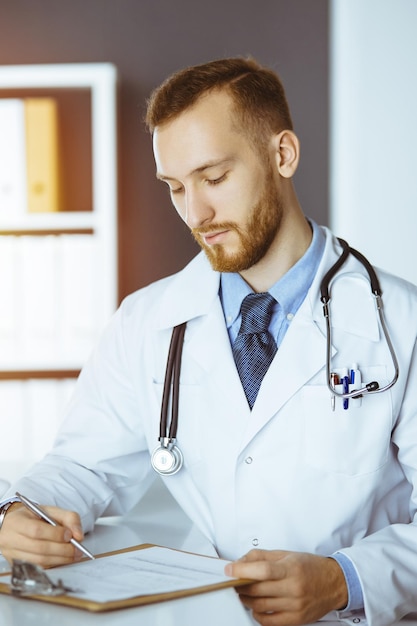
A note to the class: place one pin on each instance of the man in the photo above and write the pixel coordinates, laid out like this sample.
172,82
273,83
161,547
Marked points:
321,486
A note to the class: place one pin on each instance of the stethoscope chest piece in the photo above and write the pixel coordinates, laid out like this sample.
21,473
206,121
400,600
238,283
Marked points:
167,459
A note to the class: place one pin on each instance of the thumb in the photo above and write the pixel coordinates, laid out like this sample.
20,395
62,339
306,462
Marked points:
233,568
254,555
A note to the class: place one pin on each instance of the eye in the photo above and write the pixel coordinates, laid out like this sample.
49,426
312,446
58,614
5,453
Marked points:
216,181
176,190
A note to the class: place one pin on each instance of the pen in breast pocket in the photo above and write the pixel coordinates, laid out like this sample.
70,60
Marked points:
345,381
334,378
43,515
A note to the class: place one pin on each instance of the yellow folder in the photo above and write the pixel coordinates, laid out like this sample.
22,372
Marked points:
41,118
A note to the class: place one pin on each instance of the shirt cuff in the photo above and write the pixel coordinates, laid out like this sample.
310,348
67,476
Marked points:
355,593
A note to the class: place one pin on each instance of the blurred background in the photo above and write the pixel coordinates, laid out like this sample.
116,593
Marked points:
349,68
149,39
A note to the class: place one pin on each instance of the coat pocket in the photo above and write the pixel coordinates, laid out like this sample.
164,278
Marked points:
349,441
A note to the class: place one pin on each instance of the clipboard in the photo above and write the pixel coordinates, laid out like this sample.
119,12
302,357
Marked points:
81,600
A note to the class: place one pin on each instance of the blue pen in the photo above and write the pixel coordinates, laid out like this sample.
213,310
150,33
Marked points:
352,376
345,381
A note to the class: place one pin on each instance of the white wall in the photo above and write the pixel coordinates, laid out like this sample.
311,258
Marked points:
373,202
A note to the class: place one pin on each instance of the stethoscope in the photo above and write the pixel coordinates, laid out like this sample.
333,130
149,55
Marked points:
372,387
167,459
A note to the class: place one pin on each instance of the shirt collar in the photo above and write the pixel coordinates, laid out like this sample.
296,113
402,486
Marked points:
289,291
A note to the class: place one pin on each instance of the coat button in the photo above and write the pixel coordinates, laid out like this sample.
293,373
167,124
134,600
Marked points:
248,460
255,542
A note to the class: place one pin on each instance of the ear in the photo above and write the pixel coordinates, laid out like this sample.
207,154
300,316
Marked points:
286,148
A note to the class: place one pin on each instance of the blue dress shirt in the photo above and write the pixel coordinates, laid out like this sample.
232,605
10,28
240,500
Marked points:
289,292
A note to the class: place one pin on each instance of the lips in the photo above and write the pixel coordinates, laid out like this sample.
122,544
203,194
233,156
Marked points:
212,238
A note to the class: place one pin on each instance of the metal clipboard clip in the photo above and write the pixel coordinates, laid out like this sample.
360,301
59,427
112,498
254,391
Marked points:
29,579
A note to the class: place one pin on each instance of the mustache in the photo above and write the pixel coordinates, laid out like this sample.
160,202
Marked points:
211,228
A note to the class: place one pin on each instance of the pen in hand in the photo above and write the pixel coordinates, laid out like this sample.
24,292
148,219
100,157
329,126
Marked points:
43,515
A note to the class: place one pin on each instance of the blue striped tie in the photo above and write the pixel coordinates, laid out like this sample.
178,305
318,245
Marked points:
254,347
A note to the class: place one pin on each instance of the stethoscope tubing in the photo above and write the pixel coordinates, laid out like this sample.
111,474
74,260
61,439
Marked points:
372,387
167,437
172,377
167,458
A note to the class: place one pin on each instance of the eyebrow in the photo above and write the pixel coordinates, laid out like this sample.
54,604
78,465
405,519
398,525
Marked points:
205,166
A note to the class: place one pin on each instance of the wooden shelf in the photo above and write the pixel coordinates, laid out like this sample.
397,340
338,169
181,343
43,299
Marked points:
39,374
58,268
50,231
40,223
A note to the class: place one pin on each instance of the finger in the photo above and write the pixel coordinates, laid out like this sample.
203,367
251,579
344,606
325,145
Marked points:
272,611
29,529
67,519
264,555
280,618
256,570
39,530
264,589
41,552
63,518
269,604
44,557
277,611
27,537
255,556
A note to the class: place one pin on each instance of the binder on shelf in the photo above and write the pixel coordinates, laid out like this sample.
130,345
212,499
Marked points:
12,157
79,313
9,300
42,155
36,320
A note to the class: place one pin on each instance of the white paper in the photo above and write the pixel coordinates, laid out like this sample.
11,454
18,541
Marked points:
149,571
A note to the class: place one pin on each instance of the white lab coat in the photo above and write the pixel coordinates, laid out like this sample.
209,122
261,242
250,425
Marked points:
291,474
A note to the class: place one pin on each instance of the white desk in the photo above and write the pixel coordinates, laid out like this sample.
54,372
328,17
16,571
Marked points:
220,608
156,520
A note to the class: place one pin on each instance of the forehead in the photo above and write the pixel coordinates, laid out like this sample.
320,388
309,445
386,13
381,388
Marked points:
204,132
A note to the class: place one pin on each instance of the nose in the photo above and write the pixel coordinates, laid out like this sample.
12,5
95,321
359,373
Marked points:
198,209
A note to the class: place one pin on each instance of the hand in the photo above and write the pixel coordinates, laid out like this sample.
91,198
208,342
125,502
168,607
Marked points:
291,587
24,536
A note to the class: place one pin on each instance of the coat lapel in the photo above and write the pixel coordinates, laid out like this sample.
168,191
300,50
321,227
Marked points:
302,353
207,348
299,358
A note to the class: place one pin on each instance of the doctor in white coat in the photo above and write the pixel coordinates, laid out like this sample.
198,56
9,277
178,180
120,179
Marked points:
323,489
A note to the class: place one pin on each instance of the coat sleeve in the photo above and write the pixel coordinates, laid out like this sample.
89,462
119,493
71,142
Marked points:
385,560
